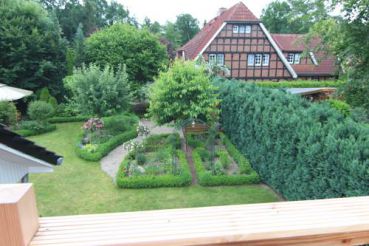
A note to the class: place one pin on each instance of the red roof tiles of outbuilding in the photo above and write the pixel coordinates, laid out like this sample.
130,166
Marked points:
238,12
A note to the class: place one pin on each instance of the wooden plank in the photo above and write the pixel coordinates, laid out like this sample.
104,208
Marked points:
18,214
342,221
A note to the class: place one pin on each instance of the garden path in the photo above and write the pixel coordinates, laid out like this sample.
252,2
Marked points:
110,163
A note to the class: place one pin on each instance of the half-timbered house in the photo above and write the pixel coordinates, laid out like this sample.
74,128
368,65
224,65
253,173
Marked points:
238,40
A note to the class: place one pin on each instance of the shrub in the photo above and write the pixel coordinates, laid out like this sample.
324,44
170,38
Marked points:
193,141
184,91
218,168
151,181
99,92
32,128
8,113
204,153
356,92
341,106
224,159
360,115
140,158
40,111
63,119
302,150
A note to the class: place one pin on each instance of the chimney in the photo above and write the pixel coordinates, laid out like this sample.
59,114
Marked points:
221,10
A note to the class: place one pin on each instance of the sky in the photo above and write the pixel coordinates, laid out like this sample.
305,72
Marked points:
167,10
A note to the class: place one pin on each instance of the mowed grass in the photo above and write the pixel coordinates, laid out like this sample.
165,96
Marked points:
80,187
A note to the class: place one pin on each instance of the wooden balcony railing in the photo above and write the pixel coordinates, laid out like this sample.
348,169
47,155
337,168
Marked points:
342,221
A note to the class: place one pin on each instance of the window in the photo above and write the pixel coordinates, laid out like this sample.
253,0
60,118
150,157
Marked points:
248,29
290,58
235,29
242,29
258,60
294,58
216,59
220,59
212,58
265,59
251,59
297,58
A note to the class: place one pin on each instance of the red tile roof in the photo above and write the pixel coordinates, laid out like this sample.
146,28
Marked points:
294,42
238,12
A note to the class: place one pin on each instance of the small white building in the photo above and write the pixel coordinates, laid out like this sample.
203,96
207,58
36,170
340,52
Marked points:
20,157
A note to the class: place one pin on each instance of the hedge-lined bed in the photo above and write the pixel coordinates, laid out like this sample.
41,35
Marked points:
117,130
158,163
206,176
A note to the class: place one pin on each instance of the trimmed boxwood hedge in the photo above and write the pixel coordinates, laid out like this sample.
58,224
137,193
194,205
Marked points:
151,181
247,176
30,133
64,119
301,84
303,150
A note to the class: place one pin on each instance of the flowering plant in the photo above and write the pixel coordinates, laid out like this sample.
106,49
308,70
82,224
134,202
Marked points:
93,124
143,130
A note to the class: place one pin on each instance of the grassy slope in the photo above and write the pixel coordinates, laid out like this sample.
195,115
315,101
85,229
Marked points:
80,187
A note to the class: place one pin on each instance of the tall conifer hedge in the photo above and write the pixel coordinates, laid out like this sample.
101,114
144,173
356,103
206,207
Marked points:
303,150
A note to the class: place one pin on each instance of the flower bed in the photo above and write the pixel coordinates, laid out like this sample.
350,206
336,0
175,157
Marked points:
158,162
99,139
229,166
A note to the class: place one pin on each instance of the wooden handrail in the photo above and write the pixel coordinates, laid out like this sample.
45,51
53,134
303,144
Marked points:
343,221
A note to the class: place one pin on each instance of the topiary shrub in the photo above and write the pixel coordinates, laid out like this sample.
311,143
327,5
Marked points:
8,113
40,110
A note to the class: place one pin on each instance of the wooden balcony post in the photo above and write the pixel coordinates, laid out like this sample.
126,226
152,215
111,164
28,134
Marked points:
18,214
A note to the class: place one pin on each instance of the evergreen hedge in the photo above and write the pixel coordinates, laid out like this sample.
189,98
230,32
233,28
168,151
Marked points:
151,181
302,150
301,84
65,119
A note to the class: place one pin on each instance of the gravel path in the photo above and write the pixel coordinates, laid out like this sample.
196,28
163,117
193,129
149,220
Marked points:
111,162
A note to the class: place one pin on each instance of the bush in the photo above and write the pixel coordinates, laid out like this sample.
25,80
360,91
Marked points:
360,115
223,158
64,119
33,128
206,178
152,181
141,159
8,113
40,111
341,106
99,92
301,149
356,92
193,141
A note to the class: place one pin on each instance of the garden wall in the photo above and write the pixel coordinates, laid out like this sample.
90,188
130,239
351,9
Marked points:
303,150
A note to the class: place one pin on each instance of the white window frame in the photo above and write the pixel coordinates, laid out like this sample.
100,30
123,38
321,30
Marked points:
242,29
258,59
250,59
236,29
265,61
212,59
297,58
248,29
220,59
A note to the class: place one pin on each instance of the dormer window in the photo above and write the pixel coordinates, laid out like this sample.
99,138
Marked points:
235,29
293,58
241,29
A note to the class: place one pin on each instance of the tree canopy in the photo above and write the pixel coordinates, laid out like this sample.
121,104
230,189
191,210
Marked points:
118,44
184,91
187,27
32,51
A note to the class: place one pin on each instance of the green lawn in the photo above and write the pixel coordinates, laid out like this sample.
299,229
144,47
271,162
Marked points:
80,187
